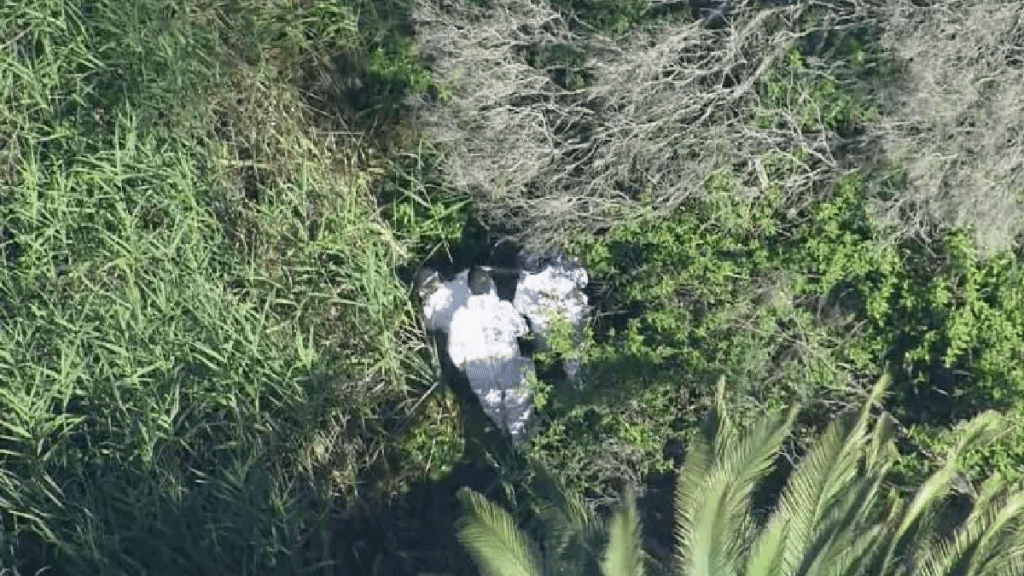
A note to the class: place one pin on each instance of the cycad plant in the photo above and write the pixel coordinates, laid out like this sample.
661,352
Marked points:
834,516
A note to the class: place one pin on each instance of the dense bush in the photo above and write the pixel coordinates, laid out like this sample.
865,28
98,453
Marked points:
209,365
791,307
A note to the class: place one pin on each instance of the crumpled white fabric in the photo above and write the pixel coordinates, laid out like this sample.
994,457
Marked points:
483,330
441,304
550,293
483,342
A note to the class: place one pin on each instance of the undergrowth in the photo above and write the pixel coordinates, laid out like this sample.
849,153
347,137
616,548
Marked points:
209,365
791,308
794,301
206,354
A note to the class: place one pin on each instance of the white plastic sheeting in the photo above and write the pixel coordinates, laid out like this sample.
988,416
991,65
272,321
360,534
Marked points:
441,301
553,292
482,341
483,330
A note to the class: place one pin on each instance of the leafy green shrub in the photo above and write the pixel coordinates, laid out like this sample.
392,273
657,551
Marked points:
704,293
608,16
434,441
791,306
957,324
811,100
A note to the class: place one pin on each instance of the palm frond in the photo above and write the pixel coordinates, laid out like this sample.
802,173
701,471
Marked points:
697,465
805,500
573,532
492,538
976,549
1013,564
719,427
624,555
916,518
836,531
847,560
689,492
1003,550
809,500
882,448
767,553
713,524
690,486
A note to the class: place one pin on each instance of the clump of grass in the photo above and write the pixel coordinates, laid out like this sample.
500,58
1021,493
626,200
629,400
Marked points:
204,344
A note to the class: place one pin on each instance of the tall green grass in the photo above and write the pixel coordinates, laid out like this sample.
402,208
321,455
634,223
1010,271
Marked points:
203,346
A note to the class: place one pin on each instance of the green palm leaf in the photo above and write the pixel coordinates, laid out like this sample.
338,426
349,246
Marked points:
980,547
721,471
573,531
825,474
915,523
768,551
624,556
833,517
494,541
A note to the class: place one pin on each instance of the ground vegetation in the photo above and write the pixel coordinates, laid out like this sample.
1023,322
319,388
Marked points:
212,211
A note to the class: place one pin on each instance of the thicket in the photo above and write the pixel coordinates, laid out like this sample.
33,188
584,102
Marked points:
955,117
560,129
751,201
560,115
792,308
205,356
209,365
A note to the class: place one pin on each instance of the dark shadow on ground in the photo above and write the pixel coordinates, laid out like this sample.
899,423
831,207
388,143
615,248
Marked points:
412,535
364,88
415,533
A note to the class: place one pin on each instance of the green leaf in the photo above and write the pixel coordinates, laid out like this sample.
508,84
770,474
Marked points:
494,541
624,556
713,523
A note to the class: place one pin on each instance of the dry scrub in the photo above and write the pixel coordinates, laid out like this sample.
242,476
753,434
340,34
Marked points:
667,105
661,110
956,118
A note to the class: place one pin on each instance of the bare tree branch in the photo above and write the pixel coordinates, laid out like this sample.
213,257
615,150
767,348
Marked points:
956,120
663,109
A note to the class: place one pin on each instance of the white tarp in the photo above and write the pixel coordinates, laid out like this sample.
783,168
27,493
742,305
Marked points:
483,330
441,302
553,292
